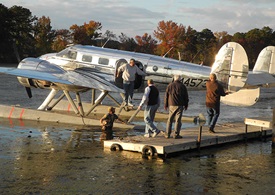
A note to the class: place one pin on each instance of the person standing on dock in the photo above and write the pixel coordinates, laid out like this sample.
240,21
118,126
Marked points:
129,72
151,100
214,91
176,99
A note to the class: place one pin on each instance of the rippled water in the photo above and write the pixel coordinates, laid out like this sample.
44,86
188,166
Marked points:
66,160
57,159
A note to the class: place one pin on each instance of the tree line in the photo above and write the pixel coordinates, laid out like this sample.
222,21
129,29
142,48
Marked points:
24,35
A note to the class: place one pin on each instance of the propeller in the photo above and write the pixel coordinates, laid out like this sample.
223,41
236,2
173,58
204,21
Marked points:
28,89
29,92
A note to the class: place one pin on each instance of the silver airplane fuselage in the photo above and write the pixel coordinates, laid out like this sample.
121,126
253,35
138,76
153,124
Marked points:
106,61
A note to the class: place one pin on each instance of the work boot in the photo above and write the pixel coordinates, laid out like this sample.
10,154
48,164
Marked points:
166,135
211,130
178,137
156,133
147,135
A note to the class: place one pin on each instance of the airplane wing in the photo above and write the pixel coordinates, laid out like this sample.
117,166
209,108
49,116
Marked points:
60,76
33,74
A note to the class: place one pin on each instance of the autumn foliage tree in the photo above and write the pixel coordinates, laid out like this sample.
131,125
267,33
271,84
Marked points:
85,34
146,44
61,40
168,33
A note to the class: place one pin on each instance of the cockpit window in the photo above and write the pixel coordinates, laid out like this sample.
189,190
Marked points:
86,58
103,61
67,53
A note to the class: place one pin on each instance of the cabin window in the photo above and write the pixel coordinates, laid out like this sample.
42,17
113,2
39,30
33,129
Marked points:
103,61
86,58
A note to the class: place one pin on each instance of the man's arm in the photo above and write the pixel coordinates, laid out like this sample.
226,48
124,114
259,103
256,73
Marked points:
102,119
120,120
145,97
140,72
222,92
120,69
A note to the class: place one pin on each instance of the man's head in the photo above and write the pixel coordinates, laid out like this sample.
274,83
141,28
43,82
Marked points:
212,77
132,62
177,77
111,109
150,82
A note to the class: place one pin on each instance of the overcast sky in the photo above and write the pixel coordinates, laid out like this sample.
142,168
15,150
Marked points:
136,17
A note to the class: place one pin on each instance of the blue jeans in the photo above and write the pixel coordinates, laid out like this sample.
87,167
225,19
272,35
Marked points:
149,116
212,117
175,112
129,91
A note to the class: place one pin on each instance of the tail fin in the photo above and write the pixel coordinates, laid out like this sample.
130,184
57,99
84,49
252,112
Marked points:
263,74
266,61
231,66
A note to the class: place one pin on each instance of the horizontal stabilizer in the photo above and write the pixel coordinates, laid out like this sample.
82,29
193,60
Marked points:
261,80
243,97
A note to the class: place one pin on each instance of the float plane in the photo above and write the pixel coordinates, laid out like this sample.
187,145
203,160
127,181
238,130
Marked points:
80,68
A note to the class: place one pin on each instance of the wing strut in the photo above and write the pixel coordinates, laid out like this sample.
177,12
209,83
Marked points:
48,100
56,102
98,101
78,99
68,96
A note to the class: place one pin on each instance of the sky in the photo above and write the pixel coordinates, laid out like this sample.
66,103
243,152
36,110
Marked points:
136,17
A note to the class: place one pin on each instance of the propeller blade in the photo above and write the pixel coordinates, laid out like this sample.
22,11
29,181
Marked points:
29,92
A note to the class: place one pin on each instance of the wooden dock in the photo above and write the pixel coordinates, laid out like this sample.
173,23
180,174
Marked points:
193,138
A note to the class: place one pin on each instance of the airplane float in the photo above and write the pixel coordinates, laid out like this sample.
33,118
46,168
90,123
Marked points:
80,68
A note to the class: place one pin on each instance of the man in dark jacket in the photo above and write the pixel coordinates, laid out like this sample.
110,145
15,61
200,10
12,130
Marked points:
176,99
214,91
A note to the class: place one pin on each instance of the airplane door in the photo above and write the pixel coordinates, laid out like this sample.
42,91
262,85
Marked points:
139,78
119,80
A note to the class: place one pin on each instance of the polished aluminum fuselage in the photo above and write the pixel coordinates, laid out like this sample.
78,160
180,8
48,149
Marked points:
106,61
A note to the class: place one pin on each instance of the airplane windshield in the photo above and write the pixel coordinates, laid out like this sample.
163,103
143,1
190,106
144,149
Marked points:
48,67
67,53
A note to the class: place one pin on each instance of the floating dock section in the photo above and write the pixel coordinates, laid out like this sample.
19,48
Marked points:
193,138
